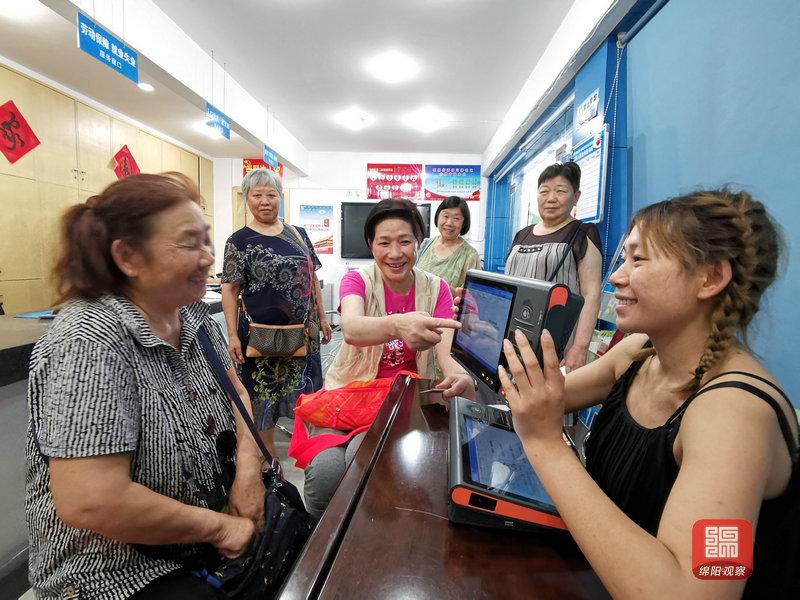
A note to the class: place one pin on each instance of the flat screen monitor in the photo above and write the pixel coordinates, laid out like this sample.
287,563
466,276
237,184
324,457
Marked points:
425,211
354,216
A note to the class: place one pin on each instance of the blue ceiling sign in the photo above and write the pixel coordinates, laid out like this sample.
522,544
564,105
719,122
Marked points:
270,157
217,120
97,42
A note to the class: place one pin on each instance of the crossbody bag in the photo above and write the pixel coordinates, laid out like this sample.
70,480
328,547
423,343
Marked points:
262,569
283,340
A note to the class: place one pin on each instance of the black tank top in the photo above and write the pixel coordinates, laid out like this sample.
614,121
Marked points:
635,466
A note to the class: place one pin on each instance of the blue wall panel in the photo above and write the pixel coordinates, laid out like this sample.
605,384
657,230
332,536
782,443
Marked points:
598,73
592,76
713,100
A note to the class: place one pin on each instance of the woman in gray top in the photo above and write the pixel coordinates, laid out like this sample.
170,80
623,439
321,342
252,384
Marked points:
537,250
131,438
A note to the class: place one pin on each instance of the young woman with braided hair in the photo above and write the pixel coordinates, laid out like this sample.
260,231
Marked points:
692,425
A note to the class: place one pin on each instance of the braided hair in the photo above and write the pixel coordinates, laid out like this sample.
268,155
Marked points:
715,225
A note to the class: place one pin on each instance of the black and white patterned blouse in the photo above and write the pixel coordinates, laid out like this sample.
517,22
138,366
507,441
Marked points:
101,382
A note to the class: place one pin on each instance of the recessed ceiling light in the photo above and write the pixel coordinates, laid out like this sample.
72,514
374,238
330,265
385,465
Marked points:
202,127
427,119
392,67
24,10
354,119
145,87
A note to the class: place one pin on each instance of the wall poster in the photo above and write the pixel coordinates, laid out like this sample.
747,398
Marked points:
124,163
591,156
316,219
394,181
442,181
248,164
16,136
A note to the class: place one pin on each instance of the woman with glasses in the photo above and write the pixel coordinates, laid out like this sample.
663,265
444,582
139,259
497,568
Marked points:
129,427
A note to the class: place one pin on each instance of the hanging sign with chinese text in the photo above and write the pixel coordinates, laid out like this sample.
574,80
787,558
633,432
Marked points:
16,136
97,42
270,157
216,120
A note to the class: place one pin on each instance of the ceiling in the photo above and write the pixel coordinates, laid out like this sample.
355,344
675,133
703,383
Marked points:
303,60
45,42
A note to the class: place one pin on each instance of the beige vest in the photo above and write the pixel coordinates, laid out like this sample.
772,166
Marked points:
354,363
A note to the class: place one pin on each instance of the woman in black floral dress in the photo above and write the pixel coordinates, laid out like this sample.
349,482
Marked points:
271,266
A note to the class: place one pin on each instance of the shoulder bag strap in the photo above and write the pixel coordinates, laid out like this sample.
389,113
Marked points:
309,263
298,236
227,385
570,244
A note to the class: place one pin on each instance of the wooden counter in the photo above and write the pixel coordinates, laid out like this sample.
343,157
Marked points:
17,337
386,534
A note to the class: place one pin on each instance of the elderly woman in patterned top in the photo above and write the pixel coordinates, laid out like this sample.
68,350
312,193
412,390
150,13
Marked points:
270,266
131,437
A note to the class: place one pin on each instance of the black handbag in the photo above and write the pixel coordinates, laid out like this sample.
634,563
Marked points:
262,569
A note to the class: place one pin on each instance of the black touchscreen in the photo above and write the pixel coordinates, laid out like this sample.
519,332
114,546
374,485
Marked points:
496,460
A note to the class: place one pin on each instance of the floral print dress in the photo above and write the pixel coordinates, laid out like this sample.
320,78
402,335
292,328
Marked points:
277,288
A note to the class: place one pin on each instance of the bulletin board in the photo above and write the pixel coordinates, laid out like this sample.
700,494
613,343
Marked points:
591,154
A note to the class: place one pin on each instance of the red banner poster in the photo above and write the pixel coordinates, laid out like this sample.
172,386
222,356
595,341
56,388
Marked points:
248,164
394,181
16,136
126,165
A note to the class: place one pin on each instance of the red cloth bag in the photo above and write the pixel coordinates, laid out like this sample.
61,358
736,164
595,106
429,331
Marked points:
351,408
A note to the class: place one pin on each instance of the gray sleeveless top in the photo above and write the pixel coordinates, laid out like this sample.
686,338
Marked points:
536,256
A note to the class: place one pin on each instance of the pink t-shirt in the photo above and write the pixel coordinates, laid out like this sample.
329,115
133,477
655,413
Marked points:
397,356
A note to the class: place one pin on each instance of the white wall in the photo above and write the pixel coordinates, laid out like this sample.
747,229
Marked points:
336,177
227,175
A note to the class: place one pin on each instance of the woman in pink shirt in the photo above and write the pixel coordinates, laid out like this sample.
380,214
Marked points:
394,317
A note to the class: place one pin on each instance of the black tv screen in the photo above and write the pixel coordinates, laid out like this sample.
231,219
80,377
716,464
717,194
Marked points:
354,215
